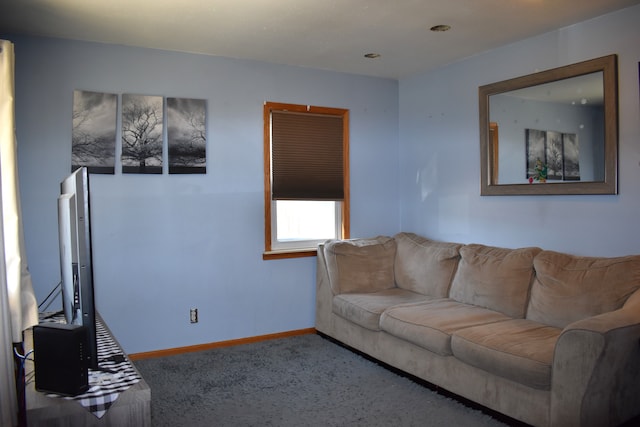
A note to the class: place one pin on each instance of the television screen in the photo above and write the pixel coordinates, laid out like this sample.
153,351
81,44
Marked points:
74,228
68,258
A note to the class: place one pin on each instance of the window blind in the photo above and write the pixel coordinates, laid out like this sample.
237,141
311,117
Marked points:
306,156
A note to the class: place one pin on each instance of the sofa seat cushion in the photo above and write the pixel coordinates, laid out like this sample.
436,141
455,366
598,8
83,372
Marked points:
520,350
364,309
430,324
425,266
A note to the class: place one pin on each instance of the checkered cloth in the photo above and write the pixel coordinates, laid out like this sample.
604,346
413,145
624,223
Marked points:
104,387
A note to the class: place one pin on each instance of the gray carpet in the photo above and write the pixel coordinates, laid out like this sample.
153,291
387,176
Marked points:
299,381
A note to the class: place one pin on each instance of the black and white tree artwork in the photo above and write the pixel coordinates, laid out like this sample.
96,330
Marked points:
94,131
142,130
535,146
571,151
554,155
187,135
557,152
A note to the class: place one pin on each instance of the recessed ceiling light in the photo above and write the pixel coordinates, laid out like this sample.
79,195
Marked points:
372,55
440,28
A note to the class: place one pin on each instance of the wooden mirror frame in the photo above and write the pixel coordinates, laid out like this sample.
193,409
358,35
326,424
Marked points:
489,185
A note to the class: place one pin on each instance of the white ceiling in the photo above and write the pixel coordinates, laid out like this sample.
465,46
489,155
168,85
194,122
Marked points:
324,34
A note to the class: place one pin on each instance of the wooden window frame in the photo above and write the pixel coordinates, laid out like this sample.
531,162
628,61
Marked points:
269,253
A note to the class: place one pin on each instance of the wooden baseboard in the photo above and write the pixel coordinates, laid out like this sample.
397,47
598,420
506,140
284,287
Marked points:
219,344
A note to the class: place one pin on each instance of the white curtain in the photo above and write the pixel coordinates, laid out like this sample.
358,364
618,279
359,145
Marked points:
18,307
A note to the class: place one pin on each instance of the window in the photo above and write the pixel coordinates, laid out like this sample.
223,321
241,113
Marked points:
306,179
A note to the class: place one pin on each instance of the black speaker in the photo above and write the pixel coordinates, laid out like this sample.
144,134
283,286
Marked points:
61,364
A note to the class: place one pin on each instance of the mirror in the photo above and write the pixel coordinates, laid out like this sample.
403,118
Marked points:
552,132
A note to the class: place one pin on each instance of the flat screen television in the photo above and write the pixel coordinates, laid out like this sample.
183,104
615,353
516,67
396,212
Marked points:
74,230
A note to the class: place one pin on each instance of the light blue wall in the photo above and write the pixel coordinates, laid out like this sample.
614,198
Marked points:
440,155
166,243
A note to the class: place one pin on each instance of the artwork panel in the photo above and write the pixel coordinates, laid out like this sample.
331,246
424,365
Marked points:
187,135
535,149
94,131
571,156
142,131
554,155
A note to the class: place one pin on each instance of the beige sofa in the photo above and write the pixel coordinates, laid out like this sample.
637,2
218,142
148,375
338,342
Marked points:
547,338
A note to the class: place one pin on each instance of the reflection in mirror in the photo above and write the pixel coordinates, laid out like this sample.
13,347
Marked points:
559,125
553,132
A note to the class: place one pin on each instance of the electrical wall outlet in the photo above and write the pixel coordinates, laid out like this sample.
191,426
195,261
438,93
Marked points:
193,315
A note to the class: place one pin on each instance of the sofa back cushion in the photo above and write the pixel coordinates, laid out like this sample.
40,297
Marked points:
360,265
425,266
569,288
494,278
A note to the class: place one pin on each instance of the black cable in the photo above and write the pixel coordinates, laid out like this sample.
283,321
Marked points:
22,358
21,375
50,293
21,381
50,315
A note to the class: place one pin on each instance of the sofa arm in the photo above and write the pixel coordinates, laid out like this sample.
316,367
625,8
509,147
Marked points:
596,369
324,295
